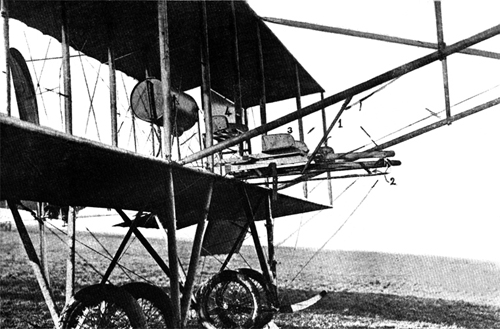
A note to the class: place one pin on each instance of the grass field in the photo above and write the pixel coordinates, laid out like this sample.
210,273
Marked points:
365,289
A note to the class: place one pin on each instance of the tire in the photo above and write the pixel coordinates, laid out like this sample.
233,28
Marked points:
228,300
102,306
154,302
267,296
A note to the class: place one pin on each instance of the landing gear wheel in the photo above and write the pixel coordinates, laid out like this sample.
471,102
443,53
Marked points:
228,300
154,302
102,306
267,296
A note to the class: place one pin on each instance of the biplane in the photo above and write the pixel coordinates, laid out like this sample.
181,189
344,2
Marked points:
169,47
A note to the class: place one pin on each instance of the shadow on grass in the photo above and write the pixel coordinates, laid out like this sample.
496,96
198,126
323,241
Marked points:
388,307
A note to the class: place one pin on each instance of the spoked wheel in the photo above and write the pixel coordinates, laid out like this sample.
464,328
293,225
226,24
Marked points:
102,306
154,302
267,296
228,300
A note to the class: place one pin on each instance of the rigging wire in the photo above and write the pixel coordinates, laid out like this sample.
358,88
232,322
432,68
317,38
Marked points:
99,253
61,95
41,72
312,217
92,66
80,242
316,186
40,220
91,98
334,233
44,62
129,109
34,70
107,252
201,271
76,252
244,259
298,235
429,116
361,100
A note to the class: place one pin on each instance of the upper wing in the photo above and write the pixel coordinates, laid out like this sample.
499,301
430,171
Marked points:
131,27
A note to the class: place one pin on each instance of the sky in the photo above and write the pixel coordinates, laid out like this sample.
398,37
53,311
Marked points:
445,201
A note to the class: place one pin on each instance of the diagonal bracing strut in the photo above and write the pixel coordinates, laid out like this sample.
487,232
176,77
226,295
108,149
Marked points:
331,100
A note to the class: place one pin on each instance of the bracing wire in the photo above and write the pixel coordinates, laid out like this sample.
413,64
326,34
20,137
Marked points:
129,108
312,217
120,127
132,239
38,219
95,251
76,252
245,260
202,269
46,53
92,66
108,253
60,96
315,187
34,70
212,255
431,115
298,235
41,73
83,244
360,101
91,97
334,233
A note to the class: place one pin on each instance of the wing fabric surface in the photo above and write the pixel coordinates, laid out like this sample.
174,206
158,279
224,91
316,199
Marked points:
42,164
133,26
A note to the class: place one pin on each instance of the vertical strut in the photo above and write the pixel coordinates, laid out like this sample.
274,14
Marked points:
68,111
299,103
68,114
263,113
328,174
206,84
169,213
112,77
241,237
35,264
195,255
300,122
166,141
444,62
237,72
112,96
255,235
6,41
43,242
270,235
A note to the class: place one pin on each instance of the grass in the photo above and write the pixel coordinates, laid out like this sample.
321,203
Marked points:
365,289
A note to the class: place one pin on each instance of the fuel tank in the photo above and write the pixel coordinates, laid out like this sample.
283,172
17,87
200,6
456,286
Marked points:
146,102
23,87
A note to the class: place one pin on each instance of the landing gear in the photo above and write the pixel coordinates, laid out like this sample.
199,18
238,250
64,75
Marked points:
228,300
267,296
154,302
102,306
